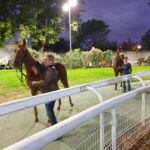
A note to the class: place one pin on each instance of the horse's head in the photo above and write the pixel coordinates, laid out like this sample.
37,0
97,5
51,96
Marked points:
121,56
118,60
21,52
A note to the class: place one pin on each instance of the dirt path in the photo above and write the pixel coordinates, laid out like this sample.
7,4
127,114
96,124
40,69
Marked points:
143,144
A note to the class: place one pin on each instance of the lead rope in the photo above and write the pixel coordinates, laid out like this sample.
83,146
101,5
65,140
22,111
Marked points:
20,77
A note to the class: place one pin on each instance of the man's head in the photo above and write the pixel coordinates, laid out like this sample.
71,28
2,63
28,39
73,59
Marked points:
49,60
125,59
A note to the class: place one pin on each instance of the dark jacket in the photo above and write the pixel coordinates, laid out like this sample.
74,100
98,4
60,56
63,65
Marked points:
126,69
48,80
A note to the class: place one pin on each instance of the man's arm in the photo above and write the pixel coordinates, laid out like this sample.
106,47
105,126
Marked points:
48,78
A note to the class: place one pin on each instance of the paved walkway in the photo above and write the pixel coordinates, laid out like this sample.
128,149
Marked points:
18,125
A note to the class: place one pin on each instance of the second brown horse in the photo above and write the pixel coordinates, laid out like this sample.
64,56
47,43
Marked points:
117,65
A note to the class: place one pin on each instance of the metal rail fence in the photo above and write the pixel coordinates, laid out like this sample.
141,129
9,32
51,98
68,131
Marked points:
112,133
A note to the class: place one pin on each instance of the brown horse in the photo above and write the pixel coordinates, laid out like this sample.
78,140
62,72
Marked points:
24,57
117,65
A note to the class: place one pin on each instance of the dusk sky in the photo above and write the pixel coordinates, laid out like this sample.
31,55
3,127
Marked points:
126,18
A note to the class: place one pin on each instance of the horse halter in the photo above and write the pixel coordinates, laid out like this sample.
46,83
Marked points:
21,57
19,63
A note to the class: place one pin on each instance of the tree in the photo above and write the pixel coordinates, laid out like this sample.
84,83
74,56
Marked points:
33,20
129,46
39,21
92,33
59,47
146,40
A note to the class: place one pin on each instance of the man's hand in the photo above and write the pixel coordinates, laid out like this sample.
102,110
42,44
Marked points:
35,83
34,69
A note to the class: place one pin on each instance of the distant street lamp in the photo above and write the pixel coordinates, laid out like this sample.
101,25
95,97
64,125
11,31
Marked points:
67,7
139,47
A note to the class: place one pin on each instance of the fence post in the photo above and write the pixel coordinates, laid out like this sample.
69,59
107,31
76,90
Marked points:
113,129
100,98
143,100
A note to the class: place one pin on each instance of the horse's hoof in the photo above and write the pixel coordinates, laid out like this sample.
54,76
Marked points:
71,104
36,120
58,108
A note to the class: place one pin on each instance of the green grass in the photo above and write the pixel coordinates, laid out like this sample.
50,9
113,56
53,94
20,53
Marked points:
12,88
8,78
81,76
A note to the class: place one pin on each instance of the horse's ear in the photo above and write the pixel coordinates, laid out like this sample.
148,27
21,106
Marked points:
17,46
118,53
24,42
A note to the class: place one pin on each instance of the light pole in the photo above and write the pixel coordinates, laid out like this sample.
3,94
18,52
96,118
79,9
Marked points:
67,7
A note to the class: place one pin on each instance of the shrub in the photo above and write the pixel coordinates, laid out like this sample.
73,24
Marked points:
66,59
107,58
148,60
75,58
85,60
95,56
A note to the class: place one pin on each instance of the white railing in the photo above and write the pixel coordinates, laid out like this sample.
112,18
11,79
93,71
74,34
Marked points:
24,103
50,134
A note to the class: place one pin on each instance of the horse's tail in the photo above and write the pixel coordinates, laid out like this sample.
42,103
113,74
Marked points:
62,74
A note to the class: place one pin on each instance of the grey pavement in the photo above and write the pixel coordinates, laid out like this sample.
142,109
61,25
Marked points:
16,126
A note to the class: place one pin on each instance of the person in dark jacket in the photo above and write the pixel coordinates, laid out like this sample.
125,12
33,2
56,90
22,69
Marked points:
127,69
47,83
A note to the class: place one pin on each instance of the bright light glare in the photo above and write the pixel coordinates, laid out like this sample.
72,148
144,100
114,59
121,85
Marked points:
65,7
72,2
139,46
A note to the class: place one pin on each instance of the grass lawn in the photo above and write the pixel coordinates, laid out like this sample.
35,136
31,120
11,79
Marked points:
81,76
76,76
9,82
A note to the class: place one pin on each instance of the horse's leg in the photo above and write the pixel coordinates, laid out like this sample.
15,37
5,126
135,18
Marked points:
115,86
64,80
65,83
36,114
70,101
116,74
35,108
59,104
121,75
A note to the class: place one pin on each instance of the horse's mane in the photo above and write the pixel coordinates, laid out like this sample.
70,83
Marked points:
29,63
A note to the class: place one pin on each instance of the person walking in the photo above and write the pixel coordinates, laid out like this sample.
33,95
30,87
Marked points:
127,69
47,83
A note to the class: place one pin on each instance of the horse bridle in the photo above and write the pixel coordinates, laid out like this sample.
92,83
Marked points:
20,68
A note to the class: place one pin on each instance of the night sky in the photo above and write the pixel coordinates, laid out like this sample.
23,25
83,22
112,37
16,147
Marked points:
126,18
